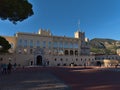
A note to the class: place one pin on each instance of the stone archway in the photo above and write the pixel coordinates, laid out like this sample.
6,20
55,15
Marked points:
39,60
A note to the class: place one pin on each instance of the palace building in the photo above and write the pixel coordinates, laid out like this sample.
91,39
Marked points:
43,48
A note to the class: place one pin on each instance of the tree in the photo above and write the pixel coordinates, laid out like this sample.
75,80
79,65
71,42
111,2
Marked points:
4,45
15,10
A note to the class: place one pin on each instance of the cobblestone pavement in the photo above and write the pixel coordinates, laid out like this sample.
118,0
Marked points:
31,79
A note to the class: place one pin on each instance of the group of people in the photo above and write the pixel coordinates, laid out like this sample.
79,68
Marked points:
6,68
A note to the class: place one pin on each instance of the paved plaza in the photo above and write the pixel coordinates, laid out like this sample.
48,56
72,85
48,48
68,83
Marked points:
31,79
61,78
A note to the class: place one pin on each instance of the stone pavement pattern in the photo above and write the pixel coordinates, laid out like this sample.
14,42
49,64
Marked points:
31,80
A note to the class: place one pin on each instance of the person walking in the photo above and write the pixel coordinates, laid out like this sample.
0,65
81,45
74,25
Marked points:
9,68
15,66
4,68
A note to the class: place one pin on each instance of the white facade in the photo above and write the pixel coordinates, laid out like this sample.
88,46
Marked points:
45,49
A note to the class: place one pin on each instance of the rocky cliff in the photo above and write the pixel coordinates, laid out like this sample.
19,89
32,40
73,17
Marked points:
104,46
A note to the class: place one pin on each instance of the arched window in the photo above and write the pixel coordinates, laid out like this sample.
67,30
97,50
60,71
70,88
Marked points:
66,52
60,52
76,52
71,52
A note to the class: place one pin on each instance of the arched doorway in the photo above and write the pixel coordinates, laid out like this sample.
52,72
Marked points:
39,60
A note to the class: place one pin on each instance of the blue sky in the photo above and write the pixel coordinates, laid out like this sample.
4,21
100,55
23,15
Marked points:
98,18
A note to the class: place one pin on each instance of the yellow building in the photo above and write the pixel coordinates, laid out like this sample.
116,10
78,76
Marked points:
43,48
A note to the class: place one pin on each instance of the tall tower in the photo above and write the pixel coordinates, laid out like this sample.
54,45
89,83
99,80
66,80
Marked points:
79,33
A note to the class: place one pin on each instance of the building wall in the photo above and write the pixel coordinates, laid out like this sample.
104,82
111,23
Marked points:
53,50
107,60
110,57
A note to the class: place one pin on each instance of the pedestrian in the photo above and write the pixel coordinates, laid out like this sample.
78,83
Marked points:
15,66
9,68
4,68
116,65
84,65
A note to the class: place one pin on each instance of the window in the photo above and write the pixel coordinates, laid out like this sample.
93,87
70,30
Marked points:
75,45
31,43
76,52
61,59
61,44
49,44
71,52
55,44
60,52
76,59
38,44
66,52
71,45
55,59
25,43
44,44
20,42
65,45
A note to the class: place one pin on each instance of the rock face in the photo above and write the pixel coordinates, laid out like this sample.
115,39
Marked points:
104,46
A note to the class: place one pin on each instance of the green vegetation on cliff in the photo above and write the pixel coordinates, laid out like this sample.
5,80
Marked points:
104,46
